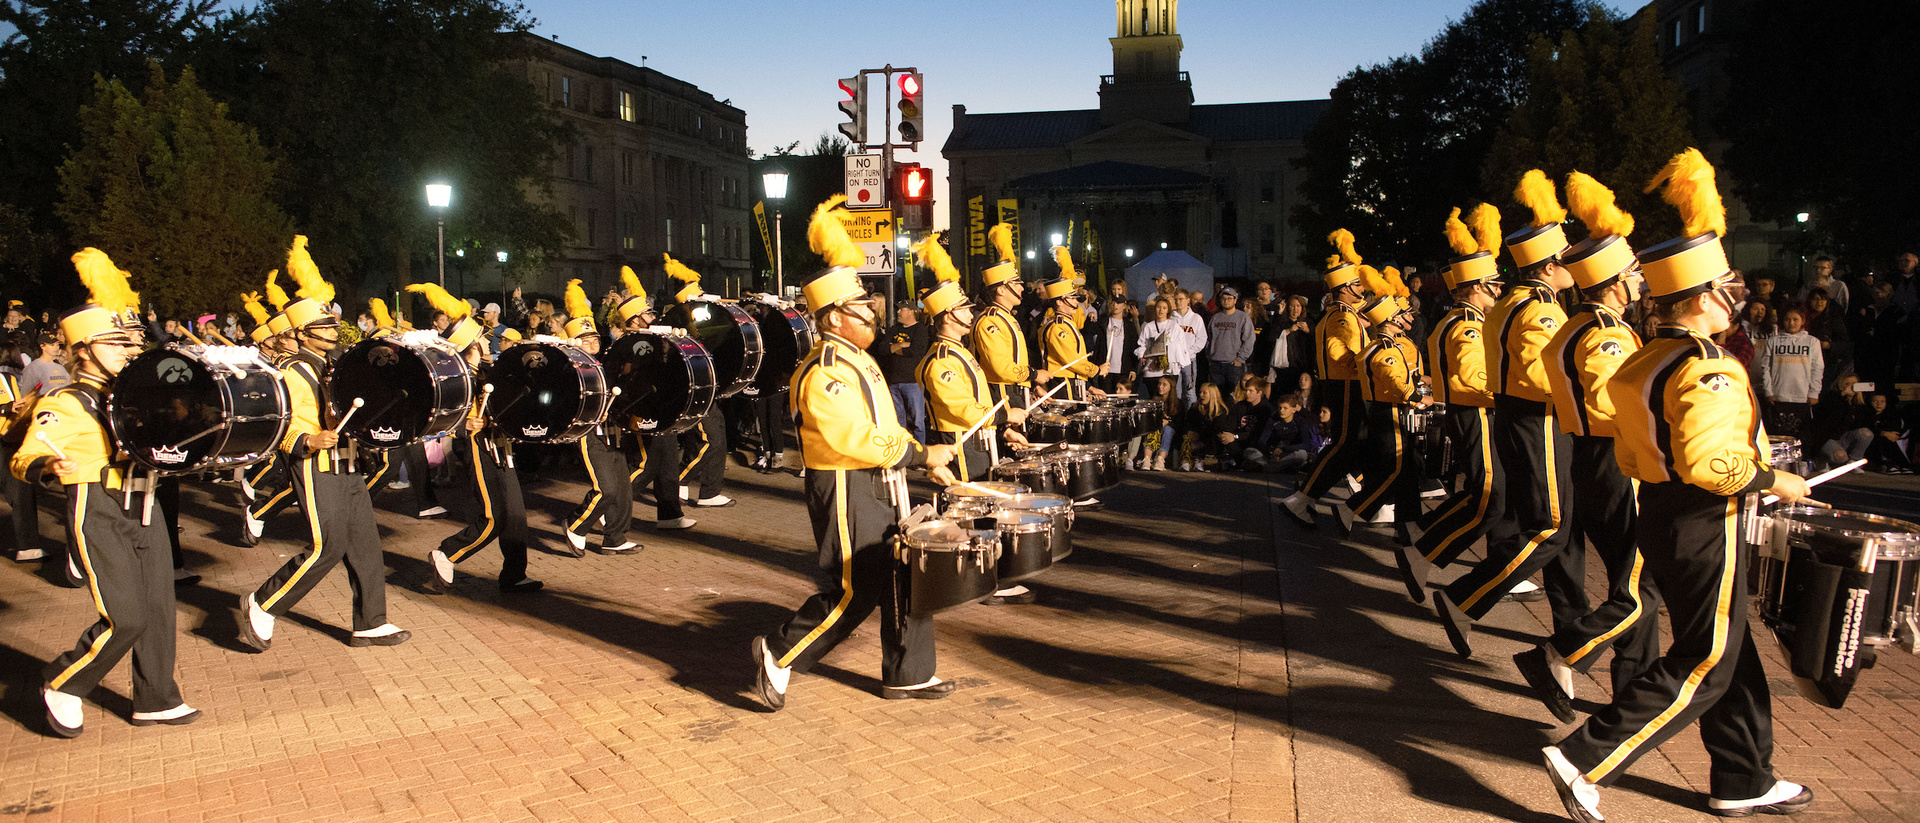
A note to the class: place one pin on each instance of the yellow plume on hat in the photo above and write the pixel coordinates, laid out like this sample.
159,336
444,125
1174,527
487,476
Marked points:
382,318
685,275
1536,192
827,236
1485,220
1001,235
454,307
105,281
1371,278
1690,188
1065,261
1593,204
934,256
632,282
577,304
300,265
1333,261
1343,241
252,302
1396,285
276,295
1459,236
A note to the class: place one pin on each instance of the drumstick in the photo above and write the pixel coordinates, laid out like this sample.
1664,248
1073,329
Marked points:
984,419
979,488
217,336
486,391
191,338
357,403
1818,479
57,453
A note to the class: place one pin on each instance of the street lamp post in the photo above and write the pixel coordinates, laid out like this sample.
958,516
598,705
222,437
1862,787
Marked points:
774,182
439,196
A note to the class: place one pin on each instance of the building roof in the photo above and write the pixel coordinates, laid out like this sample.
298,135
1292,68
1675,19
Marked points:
1229,122
1109,174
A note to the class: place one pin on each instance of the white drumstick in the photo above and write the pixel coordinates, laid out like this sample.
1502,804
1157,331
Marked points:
1818,479
984,419
57,453
357,403
983,489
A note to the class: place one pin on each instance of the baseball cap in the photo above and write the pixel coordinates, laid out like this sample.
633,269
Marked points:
490,307
1229,292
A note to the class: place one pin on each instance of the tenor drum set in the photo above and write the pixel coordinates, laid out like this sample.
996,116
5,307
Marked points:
1836,587
987,536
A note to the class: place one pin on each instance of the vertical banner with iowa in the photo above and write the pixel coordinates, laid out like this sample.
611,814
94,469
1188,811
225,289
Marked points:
1009,213
976,234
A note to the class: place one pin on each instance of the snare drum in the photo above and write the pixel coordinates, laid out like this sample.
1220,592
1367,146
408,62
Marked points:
1047,427
965,502
1147,417
665,378
1026,544
1038,474
1090,470
730,336
415,386
1846,539
1091,427
948,564
546,392
1056,507
184,409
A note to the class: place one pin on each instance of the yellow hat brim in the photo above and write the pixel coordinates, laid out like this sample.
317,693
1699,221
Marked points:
1470,269
1597,260
303,313
945,298
1000,273
1056,289
1534,244
279,324
1341,275
1683,264
463,332
90,322
833,288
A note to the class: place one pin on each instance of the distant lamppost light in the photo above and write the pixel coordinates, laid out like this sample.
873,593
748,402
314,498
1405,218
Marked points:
1058,238
1802,217
1129,253
1163,245
502,256
1030,254
901,240
440,196
461,253
773,181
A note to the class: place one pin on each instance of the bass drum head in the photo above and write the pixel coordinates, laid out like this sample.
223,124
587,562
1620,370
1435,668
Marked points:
730,336
666,384
786,336
163,397
399,387
537,391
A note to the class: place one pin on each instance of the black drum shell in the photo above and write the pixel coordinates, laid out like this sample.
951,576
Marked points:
1047,428
547,393
412,392
786,335
666,381
1042,476
1024,554
941,578
731,338
1086,476
170,395
1091,427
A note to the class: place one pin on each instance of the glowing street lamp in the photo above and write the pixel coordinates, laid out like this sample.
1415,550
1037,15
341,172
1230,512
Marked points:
440,196
774,182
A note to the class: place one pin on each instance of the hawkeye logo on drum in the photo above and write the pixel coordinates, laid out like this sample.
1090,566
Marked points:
168,455
174,370
384,435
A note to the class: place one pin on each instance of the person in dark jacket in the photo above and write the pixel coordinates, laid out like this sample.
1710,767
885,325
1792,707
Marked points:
1118,336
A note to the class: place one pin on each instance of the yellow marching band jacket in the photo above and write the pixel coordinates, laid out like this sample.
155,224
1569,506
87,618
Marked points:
1523,322
1001,348
1684,411
74,421
1393,370
1456,355
955,387
844,413
1580,359
1338,341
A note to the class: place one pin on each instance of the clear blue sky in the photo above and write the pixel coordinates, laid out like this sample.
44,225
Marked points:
778,60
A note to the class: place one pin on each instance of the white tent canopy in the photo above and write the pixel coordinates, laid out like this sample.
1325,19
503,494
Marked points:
1192,274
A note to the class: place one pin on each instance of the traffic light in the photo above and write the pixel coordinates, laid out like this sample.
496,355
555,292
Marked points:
855,107
916,184
912,114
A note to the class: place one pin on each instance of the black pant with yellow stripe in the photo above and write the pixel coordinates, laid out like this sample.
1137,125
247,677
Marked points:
705,449
1712,673
1394,469
1628,622
609,491
1479,508
503,512
272,490
658,466
340,516
130,575
1345,452
853,524
24,497
383,467
1537,456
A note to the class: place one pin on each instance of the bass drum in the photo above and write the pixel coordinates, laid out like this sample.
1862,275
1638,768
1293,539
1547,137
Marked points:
731,338
786,335
415,387
665,378
197,408
547,392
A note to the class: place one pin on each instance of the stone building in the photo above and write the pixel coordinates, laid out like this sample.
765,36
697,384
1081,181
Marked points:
660,166
1148,169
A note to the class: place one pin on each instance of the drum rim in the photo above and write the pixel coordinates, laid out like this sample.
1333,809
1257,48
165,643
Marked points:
1908,532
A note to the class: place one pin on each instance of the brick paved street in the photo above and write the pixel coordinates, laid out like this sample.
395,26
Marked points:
1168,673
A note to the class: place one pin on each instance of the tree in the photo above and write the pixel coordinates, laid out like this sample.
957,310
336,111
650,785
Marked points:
365,101
1598,102
1822,118
47,68
1403,141
175,192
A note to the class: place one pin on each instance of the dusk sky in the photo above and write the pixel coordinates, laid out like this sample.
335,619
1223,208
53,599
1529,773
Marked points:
778,61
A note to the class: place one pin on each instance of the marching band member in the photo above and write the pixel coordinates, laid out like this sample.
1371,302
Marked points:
1338,341
608,505
1688,429
956,388
1580,359
707,468
1060,335
489,455
265,484
854,447
1527,440
1457,357
380,462
319,467
127,568
1392,384
656,457
999,342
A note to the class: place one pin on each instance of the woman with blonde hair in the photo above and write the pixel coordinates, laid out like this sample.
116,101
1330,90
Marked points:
1210,422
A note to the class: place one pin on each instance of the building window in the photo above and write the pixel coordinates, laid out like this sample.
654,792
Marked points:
626,231
1700,19
626,168
573,219
669,234
1676,34
1266,187
703,239
626,106
587,164
548,86
1267,234
572,160
566,90
593,217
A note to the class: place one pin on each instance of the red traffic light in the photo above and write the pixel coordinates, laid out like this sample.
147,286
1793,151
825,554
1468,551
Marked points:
910,85
916,184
